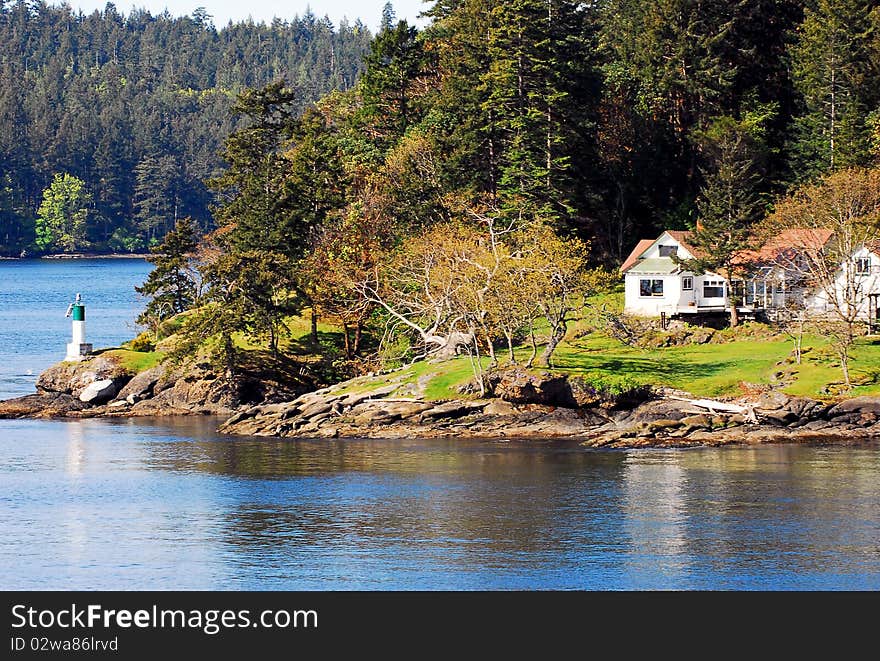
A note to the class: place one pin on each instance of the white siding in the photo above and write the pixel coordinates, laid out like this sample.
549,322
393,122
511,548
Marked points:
674,300
651,306
714,301
868,284
666,240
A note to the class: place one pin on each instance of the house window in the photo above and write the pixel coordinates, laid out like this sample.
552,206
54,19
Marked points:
713,289
650,288
668,251
863,265
687,283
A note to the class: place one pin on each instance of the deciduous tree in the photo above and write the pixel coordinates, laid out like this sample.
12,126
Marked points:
832,219
63,216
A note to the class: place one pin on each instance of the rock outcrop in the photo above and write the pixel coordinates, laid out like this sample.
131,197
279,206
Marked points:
332,413
142,385
522,405
526,406
98,392
100,386
73,378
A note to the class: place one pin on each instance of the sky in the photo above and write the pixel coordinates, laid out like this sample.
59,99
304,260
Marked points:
369,11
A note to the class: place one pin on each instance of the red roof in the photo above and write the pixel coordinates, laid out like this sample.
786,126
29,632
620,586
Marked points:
683,237
798,238
811,239
637,252
680,236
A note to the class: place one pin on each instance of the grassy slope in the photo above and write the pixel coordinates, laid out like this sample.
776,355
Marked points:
135,361
709,370
719,369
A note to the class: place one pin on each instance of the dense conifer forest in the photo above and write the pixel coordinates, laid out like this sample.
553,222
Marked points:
121,117
452,186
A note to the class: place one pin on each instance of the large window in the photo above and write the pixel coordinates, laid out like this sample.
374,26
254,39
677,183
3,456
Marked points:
687,283
713,289
863,265
650,288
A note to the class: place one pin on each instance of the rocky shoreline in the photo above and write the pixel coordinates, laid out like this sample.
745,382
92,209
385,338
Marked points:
101,387
661,422
522,406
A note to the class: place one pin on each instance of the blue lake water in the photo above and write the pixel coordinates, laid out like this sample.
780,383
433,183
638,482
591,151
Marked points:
169,504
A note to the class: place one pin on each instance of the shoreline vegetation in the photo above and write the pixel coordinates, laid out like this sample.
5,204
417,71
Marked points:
436,399
84,255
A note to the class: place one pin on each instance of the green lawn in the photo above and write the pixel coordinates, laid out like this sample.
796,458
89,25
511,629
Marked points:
722,369
707,370
715,370
136,361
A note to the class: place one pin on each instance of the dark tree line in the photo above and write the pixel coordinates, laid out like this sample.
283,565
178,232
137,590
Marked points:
137,107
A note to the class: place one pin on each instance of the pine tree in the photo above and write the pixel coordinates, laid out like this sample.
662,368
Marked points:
458,38
666,74
254,211
728,204
156,197
171,285
831,62
526,103
263,227
395,61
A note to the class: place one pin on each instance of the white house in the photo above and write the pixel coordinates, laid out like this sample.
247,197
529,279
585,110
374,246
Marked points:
655,283
857,282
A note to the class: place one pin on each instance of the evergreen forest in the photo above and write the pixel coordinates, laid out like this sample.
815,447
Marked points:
112,123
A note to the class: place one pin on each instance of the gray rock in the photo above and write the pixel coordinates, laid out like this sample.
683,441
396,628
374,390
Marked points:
316,409
142,384
499,407
72,378
772,401
372,417
806,408
816,425
98,392
780,417
45,405
453,409
664,409
859,405
518,386
405,410
354,399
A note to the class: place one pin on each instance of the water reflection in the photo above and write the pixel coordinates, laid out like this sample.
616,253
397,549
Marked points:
137,504
656,518
74,448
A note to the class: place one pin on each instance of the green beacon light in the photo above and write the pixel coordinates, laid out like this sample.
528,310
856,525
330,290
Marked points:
78,348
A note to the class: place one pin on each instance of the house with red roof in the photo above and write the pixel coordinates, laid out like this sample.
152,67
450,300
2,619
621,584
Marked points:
657,283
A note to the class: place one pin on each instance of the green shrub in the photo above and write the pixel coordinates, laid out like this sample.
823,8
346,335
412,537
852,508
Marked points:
608,390
143,343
